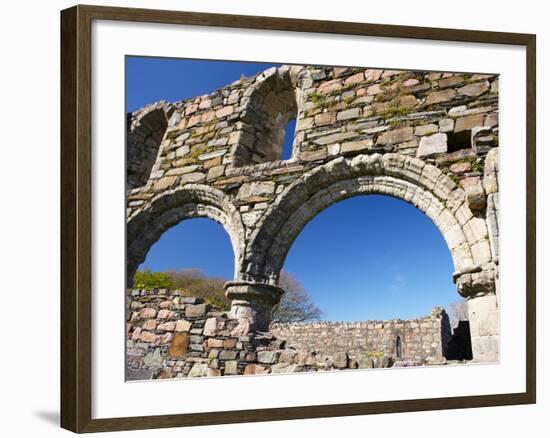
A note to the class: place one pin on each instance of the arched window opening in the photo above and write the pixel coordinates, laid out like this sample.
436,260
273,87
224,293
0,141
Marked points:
267,128
195,256
143,141
398,348
288,140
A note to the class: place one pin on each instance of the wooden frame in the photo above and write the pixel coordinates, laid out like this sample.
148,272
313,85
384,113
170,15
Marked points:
76,168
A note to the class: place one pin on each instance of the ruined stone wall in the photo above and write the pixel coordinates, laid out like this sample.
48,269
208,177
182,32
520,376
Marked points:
170,335
227,139
422,340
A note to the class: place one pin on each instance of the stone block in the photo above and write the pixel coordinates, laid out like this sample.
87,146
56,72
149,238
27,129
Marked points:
446,125
474,90
213,154
147,337
330,86
325,118
267,357
225,111
215,172
179,345
259,188
440,96
195,310
183,326
191,300
426,129
166,314
253,368
340,360
396,136
460,167
318,154
469,122
167,326
283,368
356,146
352,113
373,74
193,177
355,79
475,195
431,145
230,368
230,343
198,370
334,138
148,312
228,355
164,183
210,327
153,359
215,343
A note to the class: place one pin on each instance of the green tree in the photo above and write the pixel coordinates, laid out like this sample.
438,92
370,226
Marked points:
149,280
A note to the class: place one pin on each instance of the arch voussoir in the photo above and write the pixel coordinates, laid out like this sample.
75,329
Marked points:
403,177
145,226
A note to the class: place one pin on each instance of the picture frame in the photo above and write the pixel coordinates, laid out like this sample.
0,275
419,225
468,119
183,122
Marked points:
77,239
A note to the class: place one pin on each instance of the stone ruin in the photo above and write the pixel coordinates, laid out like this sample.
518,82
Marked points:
428,138
172,335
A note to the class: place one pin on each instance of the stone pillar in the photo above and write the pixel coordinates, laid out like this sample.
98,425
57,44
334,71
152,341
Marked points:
484,327
253,301
478,286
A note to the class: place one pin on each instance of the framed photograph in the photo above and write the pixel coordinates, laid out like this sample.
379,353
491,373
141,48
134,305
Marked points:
271,219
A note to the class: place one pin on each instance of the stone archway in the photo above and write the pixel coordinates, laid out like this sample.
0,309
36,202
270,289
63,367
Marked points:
406,178
164,211
145,132
425,137
269,103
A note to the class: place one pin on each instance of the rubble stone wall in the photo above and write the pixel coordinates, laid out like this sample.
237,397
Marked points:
170,335
422,340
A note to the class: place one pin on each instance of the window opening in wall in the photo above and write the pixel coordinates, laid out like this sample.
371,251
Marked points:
459,140
267,129
286,153
142,146
398,348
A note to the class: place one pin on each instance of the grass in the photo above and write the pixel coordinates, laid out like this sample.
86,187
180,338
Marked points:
317,99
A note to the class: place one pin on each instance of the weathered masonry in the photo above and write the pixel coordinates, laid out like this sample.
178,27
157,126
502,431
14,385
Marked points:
172,335
423,340
430,139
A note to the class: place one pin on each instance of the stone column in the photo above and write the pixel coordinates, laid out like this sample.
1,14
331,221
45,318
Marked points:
253,301
484,327
478,286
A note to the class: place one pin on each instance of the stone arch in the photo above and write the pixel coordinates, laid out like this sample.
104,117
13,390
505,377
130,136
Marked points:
270,102
171,207
145,131
410,179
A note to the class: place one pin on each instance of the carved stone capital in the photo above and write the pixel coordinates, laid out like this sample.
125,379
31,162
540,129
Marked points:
477,281
253,301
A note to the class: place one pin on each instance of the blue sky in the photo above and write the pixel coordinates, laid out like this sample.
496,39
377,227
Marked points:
368,257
